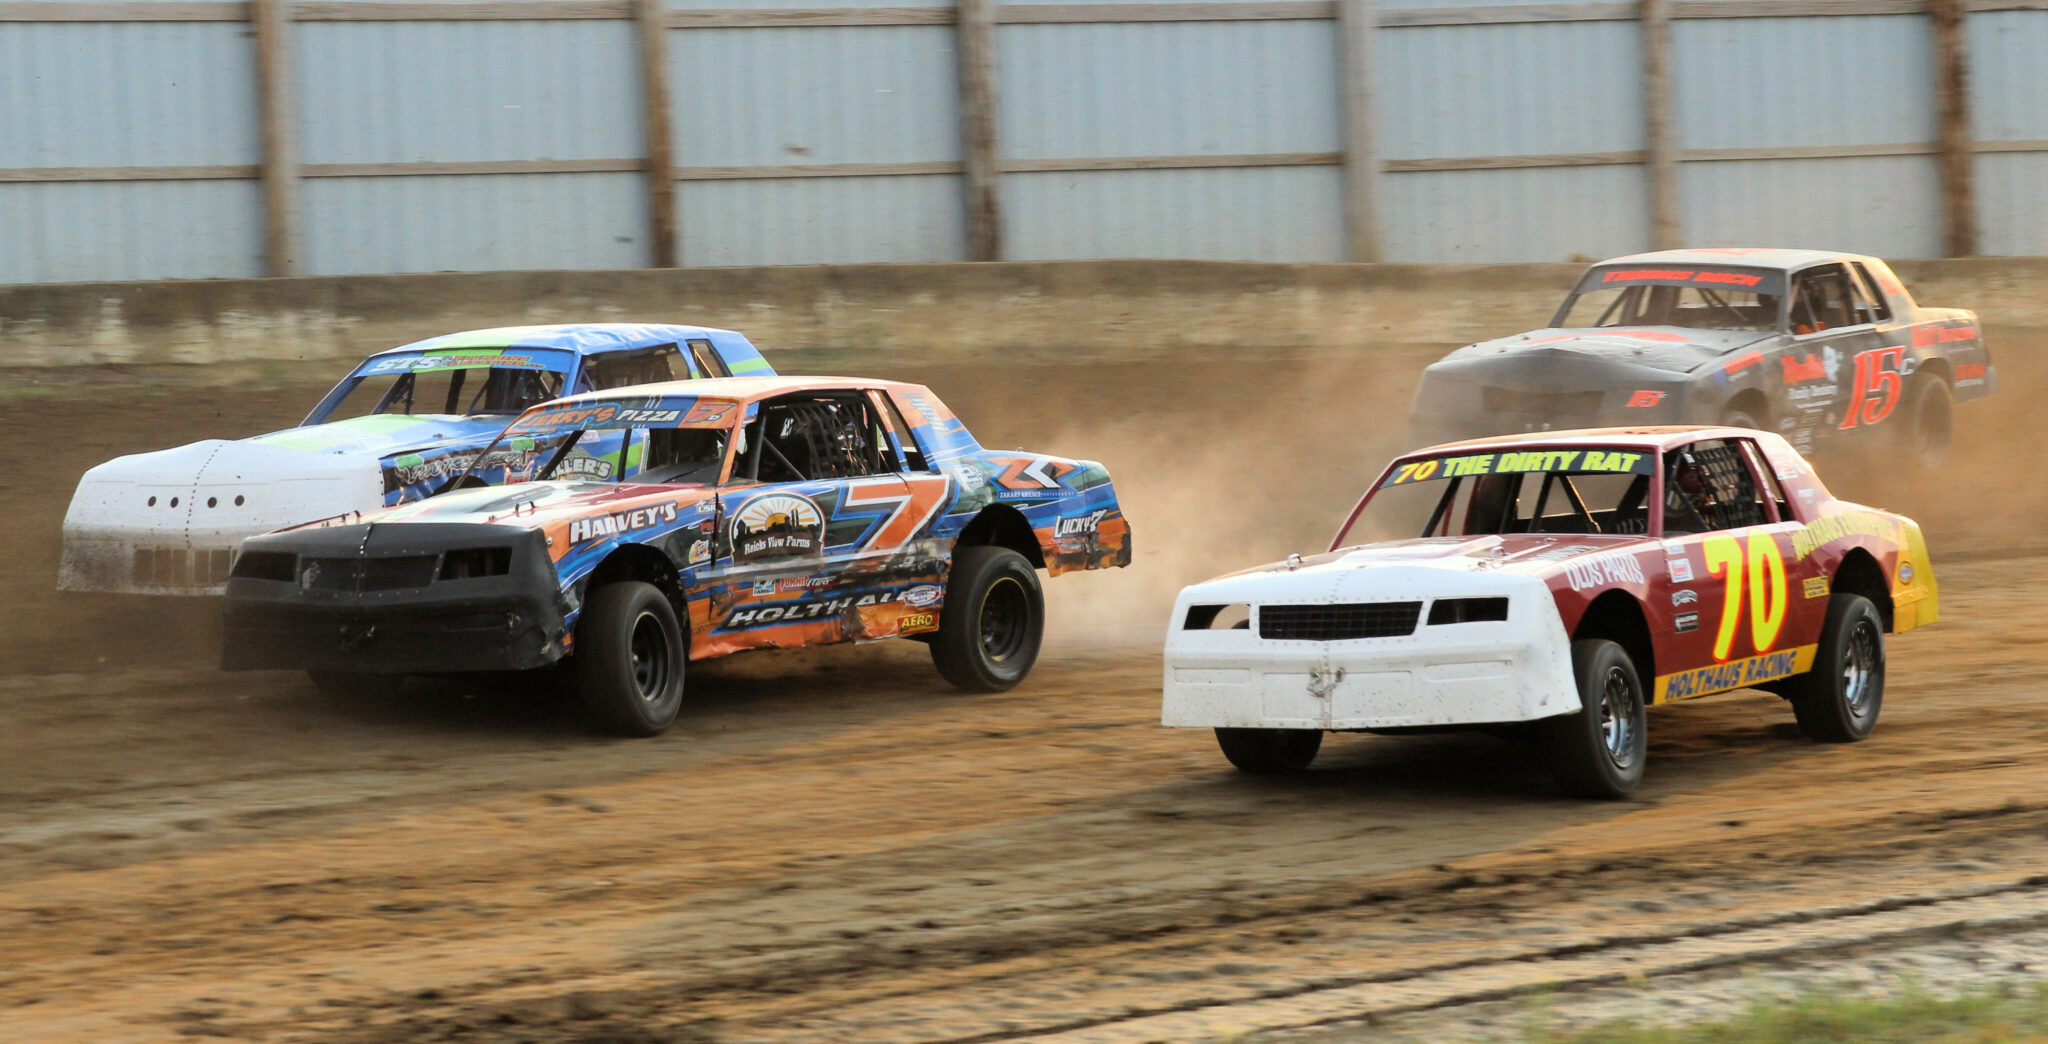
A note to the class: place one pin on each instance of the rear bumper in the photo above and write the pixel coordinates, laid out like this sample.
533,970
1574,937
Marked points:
388,620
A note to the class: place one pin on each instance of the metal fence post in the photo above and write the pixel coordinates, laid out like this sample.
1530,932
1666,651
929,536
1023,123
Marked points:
1958,149
277,108
660,147
1659,152
1356,23
975,38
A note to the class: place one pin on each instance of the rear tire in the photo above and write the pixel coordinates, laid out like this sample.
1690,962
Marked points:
1741,419
630,656
992,621
1270,752
1928,427
1838,699
1599,752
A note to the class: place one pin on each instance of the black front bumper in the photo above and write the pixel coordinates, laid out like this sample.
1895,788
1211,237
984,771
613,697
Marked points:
399,598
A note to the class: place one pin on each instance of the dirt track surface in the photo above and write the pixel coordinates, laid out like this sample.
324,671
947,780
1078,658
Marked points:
834,846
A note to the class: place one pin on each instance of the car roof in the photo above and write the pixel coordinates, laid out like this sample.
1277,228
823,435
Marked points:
582,338
1740,257
1662,436
740,389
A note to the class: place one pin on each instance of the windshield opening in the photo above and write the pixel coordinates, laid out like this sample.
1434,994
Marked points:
1691,307
458,392
1535,491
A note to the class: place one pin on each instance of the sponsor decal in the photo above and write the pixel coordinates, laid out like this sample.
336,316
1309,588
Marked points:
797,612
1033,474
1556,553
1808,495
910,623
1808,367
1742,362
1969,373
764,588
969,478
584,466
1841,526
1684,596
805,583
1926,336
1645,398
411,468
1077,528
1685,623
618,522
1707,277
1815,587
924,409
1735,674
1905,572
923,595
777,525
1620,567
700,552
1519,461
1680,569
426,363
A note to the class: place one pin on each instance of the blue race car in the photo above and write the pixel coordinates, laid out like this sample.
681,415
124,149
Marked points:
397,428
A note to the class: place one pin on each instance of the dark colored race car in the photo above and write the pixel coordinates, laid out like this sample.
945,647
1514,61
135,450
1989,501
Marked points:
760,513
1555,585
1816,346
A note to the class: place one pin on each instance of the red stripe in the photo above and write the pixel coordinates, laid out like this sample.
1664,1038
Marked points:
1743,363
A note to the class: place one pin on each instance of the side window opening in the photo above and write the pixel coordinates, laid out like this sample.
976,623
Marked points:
1822,301
620,369
709,364
1708,487
1773,489
892,419
1880,310
816,437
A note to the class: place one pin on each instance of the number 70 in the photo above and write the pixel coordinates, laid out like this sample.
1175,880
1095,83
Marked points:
1763,564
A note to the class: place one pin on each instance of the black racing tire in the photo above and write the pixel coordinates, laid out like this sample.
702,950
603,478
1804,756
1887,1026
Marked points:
355,685
1927,427
1741,419
630,658
1838,699
992,621
1599,751
1270,752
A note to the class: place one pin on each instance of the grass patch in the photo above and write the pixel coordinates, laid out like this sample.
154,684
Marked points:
2002,1016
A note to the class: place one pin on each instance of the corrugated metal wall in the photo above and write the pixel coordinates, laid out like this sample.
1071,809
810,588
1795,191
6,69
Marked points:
1120,137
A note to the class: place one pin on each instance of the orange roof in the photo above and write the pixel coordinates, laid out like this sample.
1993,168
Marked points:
1661,436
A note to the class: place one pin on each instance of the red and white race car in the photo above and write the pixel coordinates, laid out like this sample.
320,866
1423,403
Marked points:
1563,579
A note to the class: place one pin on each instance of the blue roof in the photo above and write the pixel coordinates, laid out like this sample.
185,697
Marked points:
583,338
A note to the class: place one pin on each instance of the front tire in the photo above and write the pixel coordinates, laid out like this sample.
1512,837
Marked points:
1270,752
630,655
1599,752
1837,701
992,621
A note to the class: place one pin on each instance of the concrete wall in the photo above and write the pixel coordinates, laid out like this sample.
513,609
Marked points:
819,316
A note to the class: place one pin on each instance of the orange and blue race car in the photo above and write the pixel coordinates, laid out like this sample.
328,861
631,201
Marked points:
1557,584
762,512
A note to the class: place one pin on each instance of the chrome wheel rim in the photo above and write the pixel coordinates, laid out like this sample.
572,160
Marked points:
651,658
1005,612
1862,669
1617,717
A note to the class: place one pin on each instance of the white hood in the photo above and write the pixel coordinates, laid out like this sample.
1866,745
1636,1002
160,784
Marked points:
168,522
